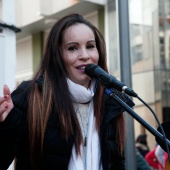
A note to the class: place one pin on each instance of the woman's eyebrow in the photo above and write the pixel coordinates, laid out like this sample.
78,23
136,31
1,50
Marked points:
69,43
91,41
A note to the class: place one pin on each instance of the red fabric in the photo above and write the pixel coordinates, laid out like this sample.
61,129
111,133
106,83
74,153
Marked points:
152,160
165,157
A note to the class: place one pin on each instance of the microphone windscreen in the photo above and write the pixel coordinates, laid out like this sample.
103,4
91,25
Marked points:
89,69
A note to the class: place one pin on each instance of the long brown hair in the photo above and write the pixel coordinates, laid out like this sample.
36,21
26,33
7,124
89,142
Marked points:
55,93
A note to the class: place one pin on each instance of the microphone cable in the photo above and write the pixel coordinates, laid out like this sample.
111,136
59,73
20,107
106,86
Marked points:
162,130
157,120
96,72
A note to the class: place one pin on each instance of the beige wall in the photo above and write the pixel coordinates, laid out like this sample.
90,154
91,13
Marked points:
48,7
24,65
143,84
146,114
27,12
93,18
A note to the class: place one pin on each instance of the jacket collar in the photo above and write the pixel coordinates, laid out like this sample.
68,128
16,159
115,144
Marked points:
40,81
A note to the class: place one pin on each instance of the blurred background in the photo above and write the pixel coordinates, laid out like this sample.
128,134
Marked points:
25,24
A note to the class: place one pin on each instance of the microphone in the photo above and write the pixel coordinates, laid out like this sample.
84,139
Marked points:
96,72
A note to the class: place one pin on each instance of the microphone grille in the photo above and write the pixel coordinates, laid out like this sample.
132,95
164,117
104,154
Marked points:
89,69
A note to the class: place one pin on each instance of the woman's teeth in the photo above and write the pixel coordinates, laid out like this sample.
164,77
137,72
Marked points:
81,68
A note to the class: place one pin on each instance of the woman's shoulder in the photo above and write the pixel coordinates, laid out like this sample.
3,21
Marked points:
125,98
20,94
113,109
23,87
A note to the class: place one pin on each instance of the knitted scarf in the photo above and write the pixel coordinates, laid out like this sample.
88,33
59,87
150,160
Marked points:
92,154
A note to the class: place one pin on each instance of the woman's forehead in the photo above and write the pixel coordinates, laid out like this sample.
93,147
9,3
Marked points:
77,32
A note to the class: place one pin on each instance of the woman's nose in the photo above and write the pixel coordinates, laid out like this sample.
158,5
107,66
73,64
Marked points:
84,54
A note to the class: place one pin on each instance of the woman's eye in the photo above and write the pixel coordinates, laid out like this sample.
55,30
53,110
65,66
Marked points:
72,48
90,46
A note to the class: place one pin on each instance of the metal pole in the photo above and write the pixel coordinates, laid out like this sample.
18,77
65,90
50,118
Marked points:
125,66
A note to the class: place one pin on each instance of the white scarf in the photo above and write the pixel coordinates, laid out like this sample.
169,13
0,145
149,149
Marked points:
93,154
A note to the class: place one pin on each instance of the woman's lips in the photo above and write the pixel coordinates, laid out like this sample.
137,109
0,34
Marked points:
81,68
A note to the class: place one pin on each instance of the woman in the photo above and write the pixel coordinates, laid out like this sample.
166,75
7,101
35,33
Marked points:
61,118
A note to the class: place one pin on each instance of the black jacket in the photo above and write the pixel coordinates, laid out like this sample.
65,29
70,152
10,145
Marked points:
14,138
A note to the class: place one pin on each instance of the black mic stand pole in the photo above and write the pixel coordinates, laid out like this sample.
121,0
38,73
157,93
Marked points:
152,130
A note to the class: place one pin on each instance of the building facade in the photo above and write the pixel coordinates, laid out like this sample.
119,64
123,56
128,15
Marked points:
149,25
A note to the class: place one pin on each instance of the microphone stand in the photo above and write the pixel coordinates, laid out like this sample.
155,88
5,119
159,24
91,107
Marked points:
152,130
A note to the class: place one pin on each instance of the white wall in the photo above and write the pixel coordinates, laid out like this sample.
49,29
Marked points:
7,46
0,10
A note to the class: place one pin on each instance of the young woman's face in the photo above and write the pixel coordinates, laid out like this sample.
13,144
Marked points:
78,50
